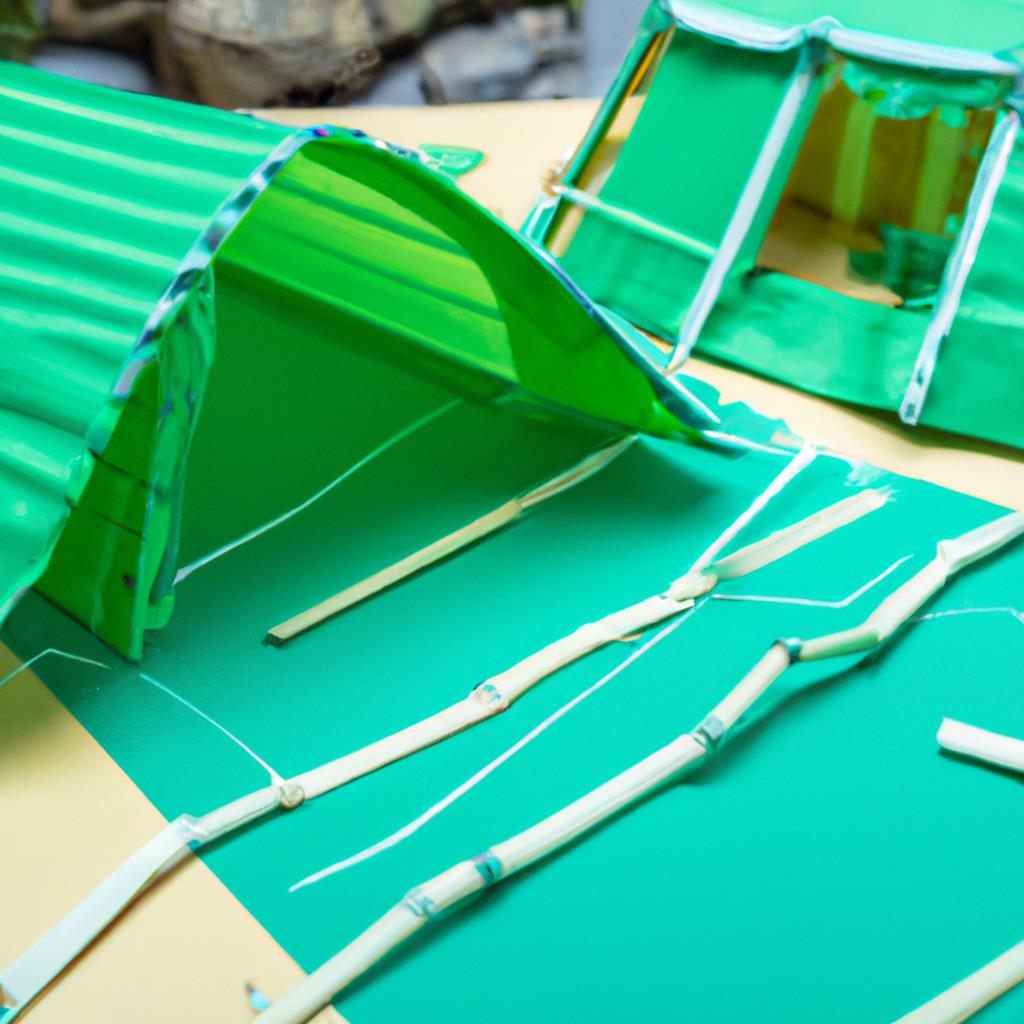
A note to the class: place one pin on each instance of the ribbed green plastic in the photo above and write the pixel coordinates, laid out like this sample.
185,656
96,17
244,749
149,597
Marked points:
113,213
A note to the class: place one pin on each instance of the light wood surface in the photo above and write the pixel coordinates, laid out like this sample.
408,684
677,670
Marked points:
190,944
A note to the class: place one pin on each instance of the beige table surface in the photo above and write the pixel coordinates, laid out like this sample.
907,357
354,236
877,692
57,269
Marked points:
188,949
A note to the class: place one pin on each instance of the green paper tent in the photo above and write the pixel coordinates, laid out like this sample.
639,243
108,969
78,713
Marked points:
184,288
832,196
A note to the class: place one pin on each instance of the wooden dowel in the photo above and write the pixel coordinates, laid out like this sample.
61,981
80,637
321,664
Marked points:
446,546
374,756
951,557
792,538
682,754
974,993
401,570
739,700
685,752
969,740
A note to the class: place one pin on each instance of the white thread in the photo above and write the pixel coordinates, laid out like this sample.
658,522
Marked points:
432,812
42,654
187,570
860,471
800,461
808,602
742,442
1015,612
275,777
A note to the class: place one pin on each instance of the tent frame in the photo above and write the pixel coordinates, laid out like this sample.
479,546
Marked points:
813,40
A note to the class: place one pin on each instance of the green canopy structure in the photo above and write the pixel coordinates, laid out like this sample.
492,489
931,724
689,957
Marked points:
246,370
207,317
831,196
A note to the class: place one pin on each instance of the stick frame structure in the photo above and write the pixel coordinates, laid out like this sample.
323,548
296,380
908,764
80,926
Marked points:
40,965
958,267
981,744
799,92
669,763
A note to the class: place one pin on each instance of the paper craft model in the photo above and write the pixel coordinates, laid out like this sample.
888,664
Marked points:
185,289
832,201
269,375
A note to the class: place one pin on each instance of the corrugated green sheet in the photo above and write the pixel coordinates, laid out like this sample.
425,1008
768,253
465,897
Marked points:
112,209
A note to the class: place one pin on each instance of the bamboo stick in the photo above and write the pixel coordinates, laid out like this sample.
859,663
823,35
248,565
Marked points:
952,556
451,888
972,994
686,752
41,964
400,570
438,550
981,744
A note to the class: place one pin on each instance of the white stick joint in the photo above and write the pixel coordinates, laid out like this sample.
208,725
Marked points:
982,745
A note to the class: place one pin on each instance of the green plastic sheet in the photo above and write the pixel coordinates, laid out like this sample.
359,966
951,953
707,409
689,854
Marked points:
158,258
663,167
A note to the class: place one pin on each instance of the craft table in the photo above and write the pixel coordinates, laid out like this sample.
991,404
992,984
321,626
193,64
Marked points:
59,790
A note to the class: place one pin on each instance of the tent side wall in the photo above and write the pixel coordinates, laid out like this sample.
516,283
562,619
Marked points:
850,255
704,149
356,300
121,204
982,361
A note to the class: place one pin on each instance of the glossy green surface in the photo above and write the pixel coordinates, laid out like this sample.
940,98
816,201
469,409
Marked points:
988,26
114,214
102,194
653,281
828,865
684,165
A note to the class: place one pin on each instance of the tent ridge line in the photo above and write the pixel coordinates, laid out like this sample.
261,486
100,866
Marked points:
752,32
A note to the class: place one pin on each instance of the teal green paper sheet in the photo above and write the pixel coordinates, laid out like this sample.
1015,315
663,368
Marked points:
829,865
719,76
157,256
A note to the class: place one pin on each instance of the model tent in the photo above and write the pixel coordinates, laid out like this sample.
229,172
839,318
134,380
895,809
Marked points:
832,196
206,317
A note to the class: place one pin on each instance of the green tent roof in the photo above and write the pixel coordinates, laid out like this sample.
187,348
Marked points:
118,319
987,27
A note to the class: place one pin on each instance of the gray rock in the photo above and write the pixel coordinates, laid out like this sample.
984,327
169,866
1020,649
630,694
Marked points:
477,63
567,78
89,64
400,21
268,53
500,61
